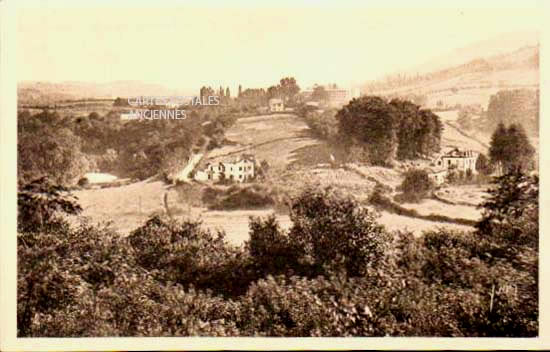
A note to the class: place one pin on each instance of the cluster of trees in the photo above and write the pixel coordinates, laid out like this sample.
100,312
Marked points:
388,130
287,89
65,148
253,97
336,272
47,145
518,106
323,124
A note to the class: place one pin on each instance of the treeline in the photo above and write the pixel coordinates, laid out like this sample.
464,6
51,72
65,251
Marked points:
287,89
379,131
335,272
253,98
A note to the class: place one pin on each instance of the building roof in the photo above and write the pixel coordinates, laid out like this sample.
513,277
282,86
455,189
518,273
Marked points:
457,153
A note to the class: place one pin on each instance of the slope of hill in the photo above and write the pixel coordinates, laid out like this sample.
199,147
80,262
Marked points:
502,44
467,84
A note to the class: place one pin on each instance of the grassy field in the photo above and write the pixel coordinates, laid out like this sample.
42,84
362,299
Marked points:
431,206
274,138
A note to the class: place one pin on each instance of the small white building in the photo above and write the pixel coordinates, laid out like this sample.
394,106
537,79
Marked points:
276,105
437,175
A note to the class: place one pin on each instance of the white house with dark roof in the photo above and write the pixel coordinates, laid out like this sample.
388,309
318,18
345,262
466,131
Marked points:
238,170
458,160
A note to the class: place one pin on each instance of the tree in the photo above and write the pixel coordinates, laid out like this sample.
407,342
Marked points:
511,211
49,149
240,91
274,92
510,148
289,89
331,229
370,122
483,165
419,130
416,185
227,93
409,123
520,151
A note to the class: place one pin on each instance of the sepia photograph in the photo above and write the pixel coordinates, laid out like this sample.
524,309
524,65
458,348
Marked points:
281,169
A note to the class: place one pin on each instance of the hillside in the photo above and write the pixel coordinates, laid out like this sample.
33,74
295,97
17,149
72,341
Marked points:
470,83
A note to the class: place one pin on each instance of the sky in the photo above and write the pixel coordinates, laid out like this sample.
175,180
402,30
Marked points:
184,45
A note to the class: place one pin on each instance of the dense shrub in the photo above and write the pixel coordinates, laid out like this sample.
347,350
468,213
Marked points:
185,253
333,230
237,197
43,203
302,307
416,185
269,247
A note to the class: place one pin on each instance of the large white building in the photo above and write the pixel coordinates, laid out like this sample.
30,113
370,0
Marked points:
238,170
459,160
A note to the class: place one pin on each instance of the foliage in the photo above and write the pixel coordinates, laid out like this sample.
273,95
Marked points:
271,249
252,196
419,131
389,130
332,230
512,209
416,185
42,203
45,146
483,165
510,148
370,122
186,254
